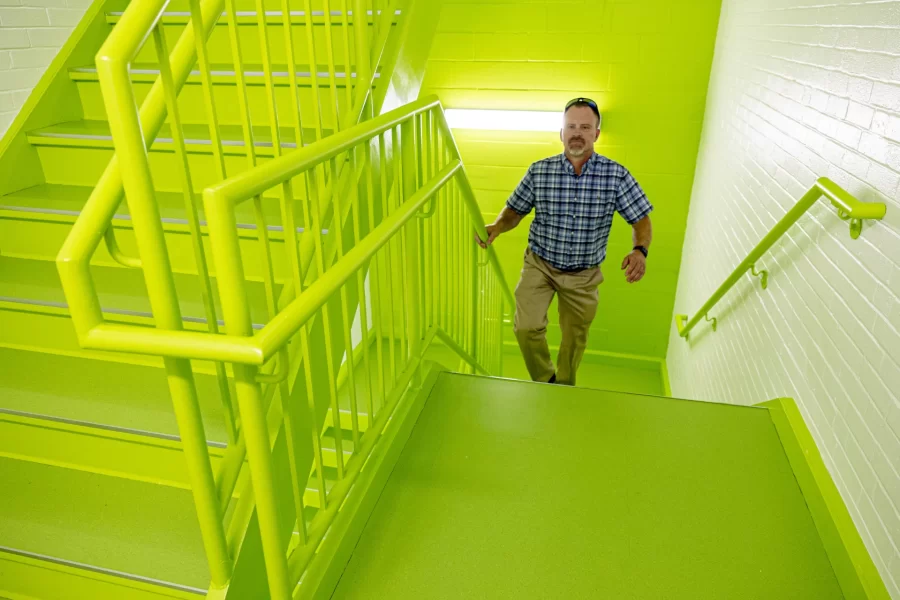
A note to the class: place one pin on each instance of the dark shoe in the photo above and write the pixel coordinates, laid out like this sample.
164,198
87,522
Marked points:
552,379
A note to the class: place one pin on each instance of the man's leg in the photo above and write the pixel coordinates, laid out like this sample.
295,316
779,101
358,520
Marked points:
533,296
578,297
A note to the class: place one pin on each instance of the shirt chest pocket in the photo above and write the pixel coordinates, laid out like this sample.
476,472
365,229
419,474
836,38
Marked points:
586,209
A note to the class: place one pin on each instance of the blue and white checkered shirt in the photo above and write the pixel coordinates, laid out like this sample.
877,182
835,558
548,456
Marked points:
574,214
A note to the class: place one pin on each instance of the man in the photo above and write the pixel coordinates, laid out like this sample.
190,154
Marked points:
574,196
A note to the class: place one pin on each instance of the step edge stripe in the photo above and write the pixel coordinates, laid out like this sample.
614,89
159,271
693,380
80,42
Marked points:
168,220
114,428
103,571
111,311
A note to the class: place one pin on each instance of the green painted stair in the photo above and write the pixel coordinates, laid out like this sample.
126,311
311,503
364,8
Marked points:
509,489
110,523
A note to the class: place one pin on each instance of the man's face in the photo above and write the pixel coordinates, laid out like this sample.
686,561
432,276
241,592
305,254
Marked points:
579,130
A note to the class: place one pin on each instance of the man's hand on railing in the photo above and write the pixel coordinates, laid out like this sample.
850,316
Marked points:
506,220
493,231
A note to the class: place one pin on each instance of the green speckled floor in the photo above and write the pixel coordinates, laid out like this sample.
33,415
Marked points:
509,489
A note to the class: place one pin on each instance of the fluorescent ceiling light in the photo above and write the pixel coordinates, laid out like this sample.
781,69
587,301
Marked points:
504,120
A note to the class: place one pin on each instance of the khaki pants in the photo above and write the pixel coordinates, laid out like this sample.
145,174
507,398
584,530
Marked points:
578,298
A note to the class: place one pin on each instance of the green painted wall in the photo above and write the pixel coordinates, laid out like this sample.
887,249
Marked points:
647,64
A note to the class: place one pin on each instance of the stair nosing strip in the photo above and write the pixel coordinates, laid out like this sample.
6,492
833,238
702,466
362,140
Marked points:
111,311
268,13
104,571
231,73
167,220
170,437
159,140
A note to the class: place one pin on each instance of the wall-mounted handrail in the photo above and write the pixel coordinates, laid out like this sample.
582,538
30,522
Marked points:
849,209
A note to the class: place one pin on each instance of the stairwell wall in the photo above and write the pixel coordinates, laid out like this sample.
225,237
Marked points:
801,90
646,63
31,34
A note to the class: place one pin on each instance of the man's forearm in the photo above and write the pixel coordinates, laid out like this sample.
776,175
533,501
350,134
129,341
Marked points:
506,220
642,232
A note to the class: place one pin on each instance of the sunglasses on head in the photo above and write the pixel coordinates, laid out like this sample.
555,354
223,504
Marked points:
587,101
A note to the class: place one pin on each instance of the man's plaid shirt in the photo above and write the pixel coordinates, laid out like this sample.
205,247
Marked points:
574,214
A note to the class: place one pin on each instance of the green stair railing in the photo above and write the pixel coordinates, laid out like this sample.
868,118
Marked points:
849,209
398,263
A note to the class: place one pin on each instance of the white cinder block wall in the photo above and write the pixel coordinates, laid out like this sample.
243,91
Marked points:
31,33
802,89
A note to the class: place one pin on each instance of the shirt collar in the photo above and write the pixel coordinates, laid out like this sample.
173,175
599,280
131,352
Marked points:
585,168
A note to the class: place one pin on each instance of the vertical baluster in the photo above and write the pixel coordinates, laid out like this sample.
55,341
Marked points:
464,280
313,70
432,153
445,258
244,109
389,270
326,322
451,264
292,71
427,313
360,279
345,305
206,79
492,292
179,373
490,324
460,278
289,228
304,346
397,195
498,332
348,88
472,283
456,269
236,309
206,294
363,68
332,80
438,226
292,245
421,166
375,280
482,312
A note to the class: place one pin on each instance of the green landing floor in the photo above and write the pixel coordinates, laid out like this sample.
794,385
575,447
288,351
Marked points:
510,489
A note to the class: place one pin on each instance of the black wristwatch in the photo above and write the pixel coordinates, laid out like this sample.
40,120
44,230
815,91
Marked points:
642,250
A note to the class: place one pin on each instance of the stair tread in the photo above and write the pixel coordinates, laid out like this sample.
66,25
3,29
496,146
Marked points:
68,200
120,290
103,521
107,394
96,133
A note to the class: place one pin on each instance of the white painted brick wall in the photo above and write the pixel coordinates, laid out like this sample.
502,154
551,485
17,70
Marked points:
31,33
802,89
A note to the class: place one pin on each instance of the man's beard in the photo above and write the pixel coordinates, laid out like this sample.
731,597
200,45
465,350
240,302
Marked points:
575,152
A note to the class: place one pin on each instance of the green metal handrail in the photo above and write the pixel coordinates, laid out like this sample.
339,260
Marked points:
849,209
439,290
399,239
129,171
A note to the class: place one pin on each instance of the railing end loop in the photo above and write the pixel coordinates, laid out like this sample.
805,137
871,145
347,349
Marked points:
680,322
